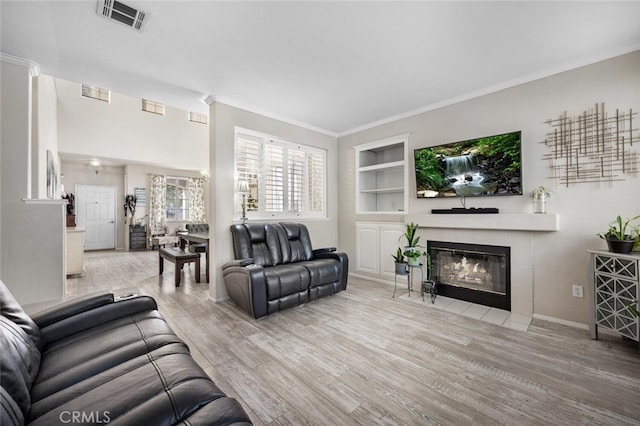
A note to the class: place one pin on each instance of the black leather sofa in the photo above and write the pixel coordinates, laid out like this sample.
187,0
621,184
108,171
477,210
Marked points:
102,360
276,268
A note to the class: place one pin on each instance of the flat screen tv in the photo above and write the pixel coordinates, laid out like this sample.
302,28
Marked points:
477,167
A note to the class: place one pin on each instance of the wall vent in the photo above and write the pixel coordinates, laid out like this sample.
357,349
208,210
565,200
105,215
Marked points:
197,117
96,93
153,107
118,11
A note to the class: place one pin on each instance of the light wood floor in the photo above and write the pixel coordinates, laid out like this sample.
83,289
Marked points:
363,358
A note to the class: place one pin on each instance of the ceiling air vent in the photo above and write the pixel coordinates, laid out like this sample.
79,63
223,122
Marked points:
118,11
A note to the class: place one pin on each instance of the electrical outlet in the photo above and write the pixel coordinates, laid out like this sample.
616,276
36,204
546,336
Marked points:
578,291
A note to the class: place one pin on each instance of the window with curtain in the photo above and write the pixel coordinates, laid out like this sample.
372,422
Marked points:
283,179
177,198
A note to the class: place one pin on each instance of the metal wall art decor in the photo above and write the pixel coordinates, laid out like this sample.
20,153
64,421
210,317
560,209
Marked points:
593,147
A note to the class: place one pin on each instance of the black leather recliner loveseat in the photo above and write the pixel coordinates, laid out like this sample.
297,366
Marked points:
100,360
276,268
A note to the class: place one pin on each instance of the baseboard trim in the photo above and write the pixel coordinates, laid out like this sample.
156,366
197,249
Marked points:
561,321
370,278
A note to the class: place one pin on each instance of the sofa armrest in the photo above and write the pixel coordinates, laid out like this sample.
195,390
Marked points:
344,264
90,311
223,411
324,250
247,287
238,262
71,307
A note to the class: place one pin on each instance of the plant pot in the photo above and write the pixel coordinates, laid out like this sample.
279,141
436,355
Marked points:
401,268
71,221
413,261
620,246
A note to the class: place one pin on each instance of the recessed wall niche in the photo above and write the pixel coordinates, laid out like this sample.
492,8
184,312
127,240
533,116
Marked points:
594,147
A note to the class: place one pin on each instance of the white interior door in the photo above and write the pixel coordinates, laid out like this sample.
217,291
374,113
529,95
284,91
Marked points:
96,213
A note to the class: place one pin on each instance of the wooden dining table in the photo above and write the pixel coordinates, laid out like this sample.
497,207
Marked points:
197,237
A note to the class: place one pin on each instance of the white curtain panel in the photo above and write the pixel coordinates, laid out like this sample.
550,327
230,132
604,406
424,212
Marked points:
158,202
197,212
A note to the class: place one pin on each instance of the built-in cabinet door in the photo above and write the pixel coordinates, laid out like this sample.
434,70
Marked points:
376,242
391,237
75,251
367,244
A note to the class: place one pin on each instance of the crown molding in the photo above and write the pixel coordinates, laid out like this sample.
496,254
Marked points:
34,68
564,67
257,110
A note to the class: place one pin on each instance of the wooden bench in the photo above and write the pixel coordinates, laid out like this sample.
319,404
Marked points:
179,257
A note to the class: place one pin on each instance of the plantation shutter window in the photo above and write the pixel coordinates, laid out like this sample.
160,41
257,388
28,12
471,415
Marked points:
248,155
295,180
273,178
284,179
316,182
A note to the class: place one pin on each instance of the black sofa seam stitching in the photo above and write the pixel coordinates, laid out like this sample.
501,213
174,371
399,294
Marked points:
157,368
96,385
166,388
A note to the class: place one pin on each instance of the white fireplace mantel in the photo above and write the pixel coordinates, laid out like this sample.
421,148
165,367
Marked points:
500,221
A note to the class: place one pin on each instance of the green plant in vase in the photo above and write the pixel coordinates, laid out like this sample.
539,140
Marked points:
411,249
413,256
539,196
622,236
410,235
401,265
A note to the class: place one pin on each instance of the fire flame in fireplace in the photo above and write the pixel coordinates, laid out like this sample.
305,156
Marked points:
465,272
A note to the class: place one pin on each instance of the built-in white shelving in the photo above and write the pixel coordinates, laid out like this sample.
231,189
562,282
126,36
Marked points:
382,176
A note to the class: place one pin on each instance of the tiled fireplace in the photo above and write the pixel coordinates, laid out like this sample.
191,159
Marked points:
477,273
515,231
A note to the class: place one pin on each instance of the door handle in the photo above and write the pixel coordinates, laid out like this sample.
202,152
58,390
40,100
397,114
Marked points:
111,221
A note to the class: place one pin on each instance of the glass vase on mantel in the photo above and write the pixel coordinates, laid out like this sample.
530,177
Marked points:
540,203
539,197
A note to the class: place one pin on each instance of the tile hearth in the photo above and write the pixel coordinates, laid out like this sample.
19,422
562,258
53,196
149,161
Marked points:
472,310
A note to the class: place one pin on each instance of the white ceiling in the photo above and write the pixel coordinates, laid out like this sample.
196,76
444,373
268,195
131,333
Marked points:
334,66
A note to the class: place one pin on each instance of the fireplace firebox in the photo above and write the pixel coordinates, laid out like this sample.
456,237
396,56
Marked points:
476,273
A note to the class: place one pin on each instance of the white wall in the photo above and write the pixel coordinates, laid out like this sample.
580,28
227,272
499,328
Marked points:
45,132
121,130
32,244
224,119
584,209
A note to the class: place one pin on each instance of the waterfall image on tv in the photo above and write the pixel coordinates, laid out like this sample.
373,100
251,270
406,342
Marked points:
485,166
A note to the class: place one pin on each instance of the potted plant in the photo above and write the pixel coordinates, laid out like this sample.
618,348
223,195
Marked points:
410,235
621,236
413,256
411,249
539,197
401,265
